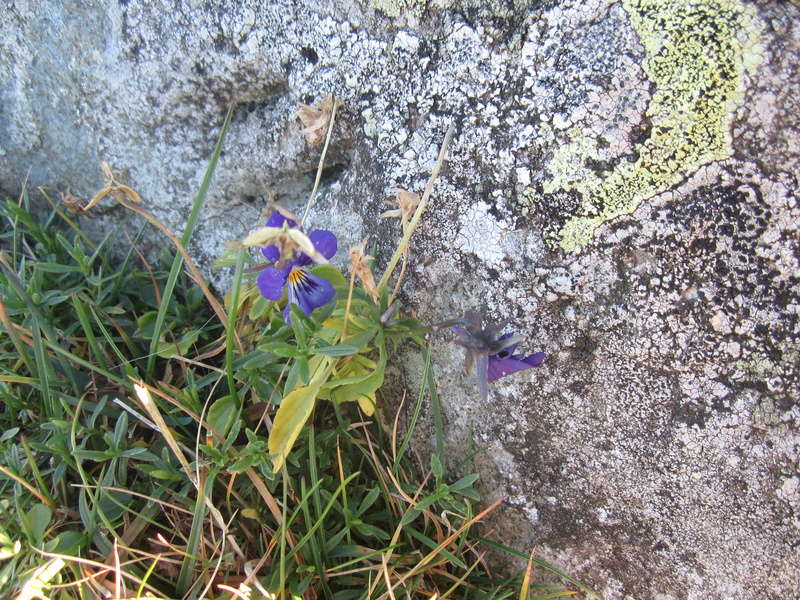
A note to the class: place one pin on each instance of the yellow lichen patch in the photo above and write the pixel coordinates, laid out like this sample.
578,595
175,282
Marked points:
697,55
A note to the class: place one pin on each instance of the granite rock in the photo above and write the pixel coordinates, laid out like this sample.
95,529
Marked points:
622,189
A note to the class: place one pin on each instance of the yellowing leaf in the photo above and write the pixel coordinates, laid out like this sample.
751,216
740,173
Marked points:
364,389
294,411
250,513
367,404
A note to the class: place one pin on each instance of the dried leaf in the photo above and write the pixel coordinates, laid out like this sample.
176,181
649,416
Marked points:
359,264
406,204
315,120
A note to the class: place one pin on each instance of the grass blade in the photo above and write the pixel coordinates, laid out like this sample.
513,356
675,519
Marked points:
231,325
417,410
177,262
541,563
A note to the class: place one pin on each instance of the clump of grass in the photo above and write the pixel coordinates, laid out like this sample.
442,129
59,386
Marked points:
136,411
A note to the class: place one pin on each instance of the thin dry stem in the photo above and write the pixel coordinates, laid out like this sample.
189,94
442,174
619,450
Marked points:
398,253
42,498
435,552
143,393
321,164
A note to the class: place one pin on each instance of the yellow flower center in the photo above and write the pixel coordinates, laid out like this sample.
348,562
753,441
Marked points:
296,276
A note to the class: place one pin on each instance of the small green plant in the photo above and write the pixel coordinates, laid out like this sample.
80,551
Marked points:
160,443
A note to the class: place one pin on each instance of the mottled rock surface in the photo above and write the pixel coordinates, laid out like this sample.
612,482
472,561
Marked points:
622,188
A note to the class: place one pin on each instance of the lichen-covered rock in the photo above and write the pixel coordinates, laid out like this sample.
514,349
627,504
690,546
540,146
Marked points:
622,188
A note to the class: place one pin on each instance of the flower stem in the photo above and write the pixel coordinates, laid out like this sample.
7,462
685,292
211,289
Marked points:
401,248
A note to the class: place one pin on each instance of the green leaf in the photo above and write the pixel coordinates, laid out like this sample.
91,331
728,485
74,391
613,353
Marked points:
281,349
344,381
330,273
463,483
8,434
259,308
436,467
339,350
292,414
56,268
67,542
301,325
258,360
7,550
222,413
37,519
146,323
226,259
361,339
364,388
181,348
302,369
368,500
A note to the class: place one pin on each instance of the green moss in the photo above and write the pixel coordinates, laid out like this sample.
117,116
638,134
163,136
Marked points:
697,54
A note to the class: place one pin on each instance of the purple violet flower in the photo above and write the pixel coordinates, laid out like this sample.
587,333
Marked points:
493,355
304,289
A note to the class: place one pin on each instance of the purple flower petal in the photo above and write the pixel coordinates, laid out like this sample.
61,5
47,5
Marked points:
271,282
276,219
500,367
508,351
324,242
308,291
272,253
535,360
